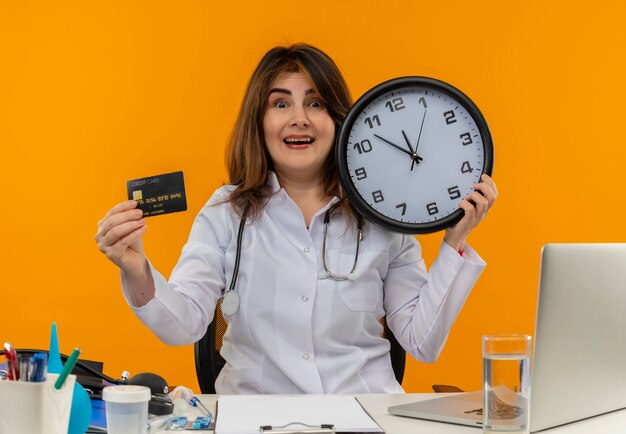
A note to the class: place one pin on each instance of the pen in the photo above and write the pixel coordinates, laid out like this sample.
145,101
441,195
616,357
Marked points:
39,365
24,367
12,365
67,368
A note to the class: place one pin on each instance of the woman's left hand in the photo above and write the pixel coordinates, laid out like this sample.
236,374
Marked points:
483,197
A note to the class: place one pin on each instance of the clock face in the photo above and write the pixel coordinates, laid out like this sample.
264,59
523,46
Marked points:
409,151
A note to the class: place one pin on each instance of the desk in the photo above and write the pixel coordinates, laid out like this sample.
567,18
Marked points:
377,404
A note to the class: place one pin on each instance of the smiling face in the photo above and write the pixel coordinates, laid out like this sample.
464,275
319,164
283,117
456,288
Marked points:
298,131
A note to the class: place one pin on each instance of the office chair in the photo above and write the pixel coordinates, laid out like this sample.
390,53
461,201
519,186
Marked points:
206,351
209,363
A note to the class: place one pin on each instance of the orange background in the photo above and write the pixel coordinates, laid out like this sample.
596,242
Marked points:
94,93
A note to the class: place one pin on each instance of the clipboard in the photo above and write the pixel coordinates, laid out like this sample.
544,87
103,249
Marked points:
298,428
292,414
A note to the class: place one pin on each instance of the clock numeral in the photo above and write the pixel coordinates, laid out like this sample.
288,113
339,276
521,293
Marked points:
403,206
422,101
449,116
454,192
432,208
395,104
378,196
466,167
364,146
360,173
467,139
373,120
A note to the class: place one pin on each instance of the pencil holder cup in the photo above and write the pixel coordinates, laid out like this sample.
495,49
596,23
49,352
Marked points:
35,408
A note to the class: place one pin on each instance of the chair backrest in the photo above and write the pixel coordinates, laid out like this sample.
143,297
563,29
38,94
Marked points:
209,363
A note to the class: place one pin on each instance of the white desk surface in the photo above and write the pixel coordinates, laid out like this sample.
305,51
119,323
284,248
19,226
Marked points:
376,405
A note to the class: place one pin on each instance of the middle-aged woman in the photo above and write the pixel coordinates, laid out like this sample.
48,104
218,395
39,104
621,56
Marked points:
296,330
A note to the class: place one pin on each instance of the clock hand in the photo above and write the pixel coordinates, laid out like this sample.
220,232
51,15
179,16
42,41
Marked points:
394,145
407,142
419,136
420,133
414,156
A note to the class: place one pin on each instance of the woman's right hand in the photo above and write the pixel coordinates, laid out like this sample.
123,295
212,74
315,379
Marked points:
119,237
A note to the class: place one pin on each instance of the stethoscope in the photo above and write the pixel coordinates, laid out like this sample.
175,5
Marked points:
230,300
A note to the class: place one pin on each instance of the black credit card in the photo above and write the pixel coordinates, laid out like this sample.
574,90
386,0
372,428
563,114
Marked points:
160,194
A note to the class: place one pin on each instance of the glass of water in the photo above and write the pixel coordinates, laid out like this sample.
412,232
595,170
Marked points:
506,383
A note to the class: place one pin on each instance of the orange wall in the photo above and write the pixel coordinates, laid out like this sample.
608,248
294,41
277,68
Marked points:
93,93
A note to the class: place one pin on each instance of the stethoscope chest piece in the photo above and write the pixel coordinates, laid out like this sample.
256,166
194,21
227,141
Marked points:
230,303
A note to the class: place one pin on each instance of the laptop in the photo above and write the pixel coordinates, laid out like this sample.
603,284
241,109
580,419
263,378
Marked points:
579,356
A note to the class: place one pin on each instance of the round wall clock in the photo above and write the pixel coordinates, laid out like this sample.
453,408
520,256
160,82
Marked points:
409,150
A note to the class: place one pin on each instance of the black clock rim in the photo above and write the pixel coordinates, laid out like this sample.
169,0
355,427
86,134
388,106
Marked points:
361,206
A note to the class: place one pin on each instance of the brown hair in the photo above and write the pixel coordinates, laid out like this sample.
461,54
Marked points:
247,158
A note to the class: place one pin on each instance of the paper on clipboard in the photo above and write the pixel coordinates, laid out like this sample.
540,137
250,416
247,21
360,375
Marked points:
238,414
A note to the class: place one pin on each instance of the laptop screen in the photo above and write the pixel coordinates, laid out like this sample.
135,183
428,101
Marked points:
579,357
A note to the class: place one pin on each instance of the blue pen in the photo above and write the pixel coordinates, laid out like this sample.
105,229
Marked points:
39,366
